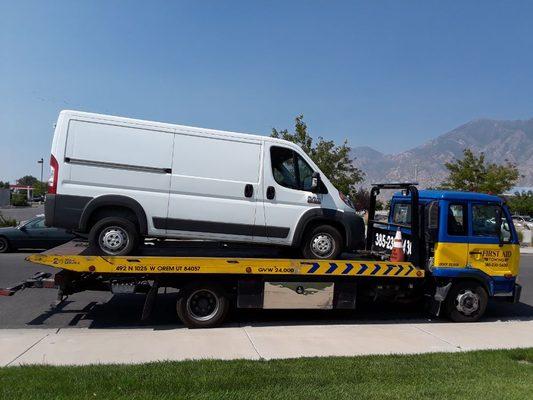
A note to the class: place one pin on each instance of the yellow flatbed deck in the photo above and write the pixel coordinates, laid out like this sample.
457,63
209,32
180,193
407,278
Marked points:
70,257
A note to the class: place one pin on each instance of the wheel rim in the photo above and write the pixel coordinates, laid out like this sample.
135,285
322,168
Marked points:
113,239
323,245
3,245
203,304
467,302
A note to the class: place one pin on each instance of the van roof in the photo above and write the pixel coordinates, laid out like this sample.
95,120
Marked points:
451,195
73,113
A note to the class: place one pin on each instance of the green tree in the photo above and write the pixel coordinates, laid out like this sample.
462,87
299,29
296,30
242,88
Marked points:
332,159
40,188
361,200
521,203
19,199
27,180
4,185
474,174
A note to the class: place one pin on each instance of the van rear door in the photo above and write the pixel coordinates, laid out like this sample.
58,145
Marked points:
214,187
107,156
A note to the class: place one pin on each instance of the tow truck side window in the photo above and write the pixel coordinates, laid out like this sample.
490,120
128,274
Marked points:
484,217
402,214
457,220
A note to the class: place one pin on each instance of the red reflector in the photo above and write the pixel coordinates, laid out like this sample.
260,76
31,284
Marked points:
92,268
508,276
6,292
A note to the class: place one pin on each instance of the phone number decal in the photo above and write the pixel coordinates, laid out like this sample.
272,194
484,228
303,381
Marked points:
386,241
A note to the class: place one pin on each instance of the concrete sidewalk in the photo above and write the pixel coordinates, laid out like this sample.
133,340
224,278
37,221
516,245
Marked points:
526,250
89,346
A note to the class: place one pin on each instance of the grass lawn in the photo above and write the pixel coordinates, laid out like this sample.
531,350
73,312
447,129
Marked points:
479,375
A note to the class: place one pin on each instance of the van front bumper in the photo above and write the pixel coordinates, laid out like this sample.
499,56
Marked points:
355,231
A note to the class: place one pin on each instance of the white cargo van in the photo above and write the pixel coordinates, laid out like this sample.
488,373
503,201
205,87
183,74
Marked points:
121,179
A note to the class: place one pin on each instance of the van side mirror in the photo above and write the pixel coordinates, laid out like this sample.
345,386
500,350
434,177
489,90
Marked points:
315,183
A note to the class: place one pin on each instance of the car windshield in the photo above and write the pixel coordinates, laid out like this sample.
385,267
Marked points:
29,221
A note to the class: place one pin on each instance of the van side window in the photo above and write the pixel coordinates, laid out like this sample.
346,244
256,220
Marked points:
305,173
290,169
283,167
457,220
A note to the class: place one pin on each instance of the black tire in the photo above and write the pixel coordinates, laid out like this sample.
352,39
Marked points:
316,242
120,234
202,306
466,301
4,245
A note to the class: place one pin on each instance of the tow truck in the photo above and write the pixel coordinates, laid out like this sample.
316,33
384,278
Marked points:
461,250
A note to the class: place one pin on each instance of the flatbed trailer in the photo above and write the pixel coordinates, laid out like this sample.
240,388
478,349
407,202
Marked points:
210,286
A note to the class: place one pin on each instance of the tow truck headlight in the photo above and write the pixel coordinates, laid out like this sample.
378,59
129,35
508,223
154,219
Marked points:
346,200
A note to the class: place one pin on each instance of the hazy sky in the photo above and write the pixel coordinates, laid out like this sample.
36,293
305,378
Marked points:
390,75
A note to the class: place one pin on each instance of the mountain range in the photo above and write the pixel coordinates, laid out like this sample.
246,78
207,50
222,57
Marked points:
499,140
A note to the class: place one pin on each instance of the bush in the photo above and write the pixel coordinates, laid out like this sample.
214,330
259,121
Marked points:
5,221
19,199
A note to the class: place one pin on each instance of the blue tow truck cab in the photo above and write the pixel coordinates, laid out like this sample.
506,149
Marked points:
466,242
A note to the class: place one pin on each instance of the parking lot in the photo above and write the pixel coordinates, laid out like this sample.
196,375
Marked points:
31,308
22,213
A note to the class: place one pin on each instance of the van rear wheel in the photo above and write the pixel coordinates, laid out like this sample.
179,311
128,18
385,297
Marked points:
323,241
114,236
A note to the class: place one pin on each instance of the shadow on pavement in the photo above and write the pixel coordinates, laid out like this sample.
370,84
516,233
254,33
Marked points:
124,311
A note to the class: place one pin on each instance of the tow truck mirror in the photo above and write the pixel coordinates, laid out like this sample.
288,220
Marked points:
498,225
315,183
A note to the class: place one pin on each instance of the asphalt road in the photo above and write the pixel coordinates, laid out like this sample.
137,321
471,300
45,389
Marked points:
22,213
31,307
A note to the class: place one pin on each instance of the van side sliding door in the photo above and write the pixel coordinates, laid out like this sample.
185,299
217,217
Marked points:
214,187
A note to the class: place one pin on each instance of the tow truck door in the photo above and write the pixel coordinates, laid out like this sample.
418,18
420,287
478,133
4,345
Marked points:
488,251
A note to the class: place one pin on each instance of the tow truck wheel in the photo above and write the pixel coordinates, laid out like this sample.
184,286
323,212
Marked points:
202,306
324,241
466,302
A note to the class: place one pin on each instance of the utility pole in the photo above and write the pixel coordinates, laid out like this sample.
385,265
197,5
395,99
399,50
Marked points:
41,161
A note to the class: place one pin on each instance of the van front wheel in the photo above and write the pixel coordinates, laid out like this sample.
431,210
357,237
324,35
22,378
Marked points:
323,241
114,236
